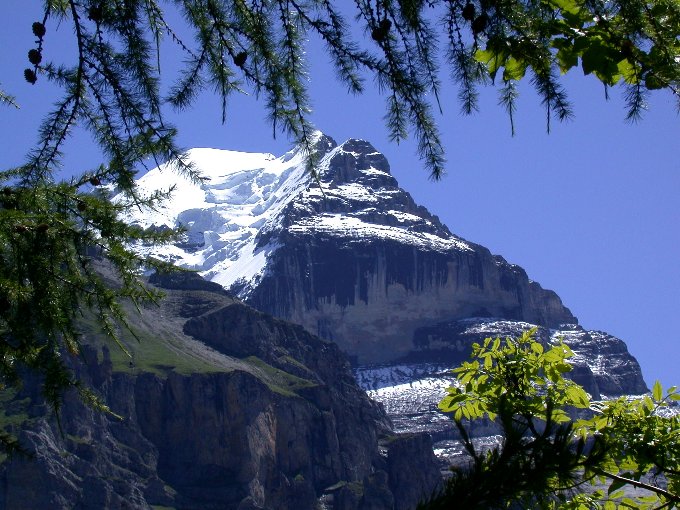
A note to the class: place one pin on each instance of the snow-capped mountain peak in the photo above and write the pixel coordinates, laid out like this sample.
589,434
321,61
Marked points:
233,218
347,254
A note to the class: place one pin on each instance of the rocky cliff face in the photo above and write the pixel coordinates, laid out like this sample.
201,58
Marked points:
601,362
228,409
351,257
365,266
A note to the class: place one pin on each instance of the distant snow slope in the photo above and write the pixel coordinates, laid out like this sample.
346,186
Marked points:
223,215
245,196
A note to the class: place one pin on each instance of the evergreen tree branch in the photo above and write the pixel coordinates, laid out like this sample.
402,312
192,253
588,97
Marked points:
7,99
56,134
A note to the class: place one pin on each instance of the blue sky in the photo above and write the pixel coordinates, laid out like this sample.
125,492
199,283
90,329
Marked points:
589,210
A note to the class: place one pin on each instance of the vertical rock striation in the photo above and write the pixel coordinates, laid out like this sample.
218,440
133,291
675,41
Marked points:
267,417
365,266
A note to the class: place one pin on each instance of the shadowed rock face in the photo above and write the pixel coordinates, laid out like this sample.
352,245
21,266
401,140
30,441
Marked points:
271,420
365,266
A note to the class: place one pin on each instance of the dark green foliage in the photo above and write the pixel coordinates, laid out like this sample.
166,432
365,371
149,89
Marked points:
518,472
239,44
53,241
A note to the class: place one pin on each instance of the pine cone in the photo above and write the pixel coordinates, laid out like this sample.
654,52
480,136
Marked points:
34,56
468,12
95,13
38,29
479,24
29,76
240,58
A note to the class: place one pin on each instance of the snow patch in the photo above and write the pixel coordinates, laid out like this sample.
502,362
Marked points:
245,197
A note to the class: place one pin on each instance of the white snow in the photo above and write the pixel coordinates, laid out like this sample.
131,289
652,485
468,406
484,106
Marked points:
223,215
353,227
243,197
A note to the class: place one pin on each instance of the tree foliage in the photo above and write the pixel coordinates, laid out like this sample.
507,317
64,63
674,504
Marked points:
111,87
259,45
545,457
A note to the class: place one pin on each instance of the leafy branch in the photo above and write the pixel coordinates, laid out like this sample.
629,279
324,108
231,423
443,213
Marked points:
544,455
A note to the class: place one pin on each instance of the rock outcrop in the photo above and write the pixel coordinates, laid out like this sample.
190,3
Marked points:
261,415
350,255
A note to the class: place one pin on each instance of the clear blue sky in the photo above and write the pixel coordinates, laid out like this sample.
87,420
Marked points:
590,210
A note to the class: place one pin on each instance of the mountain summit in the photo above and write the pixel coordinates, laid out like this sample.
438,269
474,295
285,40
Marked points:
225,406
349,255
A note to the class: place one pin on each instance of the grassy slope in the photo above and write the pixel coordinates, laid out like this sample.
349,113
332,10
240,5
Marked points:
160,346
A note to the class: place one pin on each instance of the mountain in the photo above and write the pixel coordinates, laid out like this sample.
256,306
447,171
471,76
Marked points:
239,394
221,407
351,257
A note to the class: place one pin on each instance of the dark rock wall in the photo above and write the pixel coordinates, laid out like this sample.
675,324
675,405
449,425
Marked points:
403,452
370,296
602,363
369,289
274,433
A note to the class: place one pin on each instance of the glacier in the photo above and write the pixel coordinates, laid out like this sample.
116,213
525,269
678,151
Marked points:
242,198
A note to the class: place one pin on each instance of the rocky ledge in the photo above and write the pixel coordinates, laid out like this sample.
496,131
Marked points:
410,389
221,407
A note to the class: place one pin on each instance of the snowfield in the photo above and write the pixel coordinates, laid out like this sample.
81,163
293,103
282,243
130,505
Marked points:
228,218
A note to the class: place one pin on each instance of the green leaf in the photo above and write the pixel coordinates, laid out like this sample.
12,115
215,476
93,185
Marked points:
563,367
515,71
615,485
651,499
602,60
491,59
567,57
577,397
628,71
652,82
450,401
657,391
570,6
537,348
629,503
